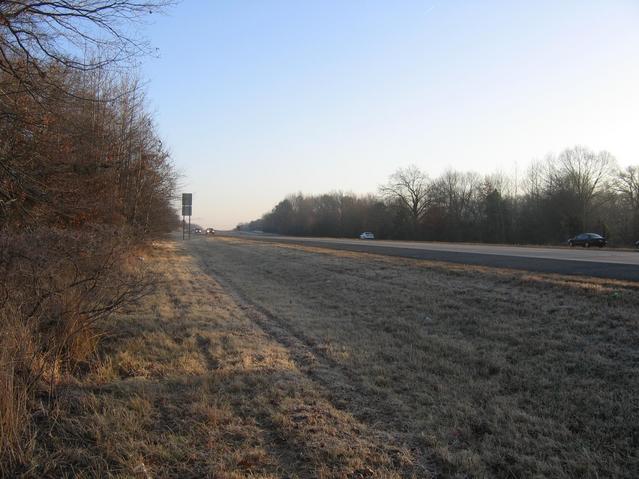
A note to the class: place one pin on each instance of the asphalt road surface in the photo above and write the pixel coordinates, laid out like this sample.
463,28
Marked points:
597,262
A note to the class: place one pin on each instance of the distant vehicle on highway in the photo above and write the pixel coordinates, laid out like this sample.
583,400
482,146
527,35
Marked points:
197,231
637,244
210,231
367,235
587,240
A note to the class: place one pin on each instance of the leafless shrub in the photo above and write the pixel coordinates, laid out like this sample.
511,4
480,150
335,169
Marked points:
55,286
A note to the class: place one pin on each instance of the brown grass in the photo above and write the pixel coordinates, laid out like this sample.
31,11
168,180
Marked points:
265,361
486,372
191,386
54,286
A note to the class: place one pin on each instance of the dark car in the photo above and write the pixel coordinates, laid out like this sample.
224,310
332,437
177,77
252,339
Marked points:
587,240
637,244
210,231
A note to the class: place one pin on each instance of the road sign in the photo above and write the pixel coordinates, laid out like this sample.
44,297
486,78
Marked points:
187,209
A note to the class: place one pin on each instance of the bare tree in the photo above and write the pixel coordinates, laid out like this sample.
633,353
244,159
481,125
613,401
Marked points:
535,180
34,35
584,173
627,184
408,187
456,194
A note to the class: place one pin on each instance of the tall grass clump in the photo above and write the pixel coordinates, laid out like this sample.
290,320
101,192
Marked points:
57,285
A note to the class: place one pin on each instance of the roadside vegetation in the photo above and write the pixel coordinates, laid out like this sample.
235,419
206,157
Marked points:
259,360
191,386
85,183
478,372
577,191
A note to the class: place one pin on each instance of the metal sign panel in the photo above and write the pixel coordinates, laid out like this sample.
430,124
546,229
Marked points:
187,199
186,210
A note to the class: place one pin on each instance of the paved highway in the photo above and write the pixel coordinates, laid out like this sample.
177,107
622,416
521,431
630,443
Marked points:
603,263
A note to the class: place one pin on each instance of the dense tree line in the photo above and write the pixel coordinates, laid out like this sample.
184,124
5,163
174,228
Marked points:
84,182
575,191
76,161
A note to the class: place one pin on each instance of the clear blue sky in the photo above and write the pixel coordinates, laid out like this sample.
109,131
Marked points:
257,99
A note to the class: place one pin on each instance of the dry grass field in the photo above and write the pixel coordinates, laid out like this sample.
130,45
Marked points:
191,386
255,360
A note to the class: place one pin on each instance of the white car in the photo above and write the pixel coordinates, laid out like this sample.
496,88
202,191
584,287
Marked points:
367,235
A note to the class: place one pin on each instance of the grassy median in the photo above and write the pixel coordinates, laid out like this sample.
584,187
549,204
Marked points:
488,372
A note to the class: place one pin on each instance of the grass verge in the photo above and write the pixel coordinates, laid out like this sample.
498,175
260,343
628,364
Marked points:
489,373
190,385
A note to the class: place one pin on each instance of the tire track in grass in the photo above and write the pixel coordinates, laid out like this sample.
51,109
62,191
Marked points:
344,390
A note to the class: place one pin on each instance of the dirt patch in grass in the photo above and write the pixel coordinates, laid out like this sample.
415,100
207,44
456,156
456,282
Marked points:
481,372
192,384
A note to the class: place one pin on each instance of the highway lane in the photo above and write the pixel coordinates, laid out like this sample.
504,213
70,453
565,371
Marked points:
603,263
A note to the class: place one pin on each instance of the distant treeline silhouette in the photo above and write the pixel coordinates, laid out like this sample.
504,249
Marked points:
575,191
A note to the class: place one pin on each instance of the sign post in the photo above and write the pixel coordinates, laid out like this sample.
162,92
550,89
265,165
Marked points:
187,209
